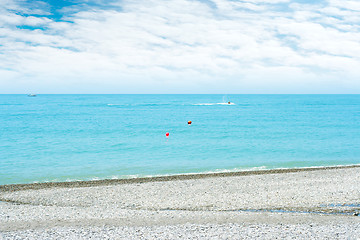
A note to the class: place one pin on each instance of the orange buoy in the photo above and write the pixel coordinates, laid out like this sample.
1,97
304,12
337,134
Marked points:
167,134
189,122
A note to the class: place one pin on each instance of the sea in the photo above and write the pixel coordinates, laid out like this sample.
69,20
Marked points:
56,138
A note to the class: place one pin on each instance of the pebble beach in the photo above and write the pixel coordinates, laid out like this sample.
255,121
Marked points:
308,203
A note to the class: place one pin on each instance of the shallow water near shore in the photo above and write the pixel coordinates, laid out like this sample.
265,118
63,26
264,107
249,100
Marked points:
85,137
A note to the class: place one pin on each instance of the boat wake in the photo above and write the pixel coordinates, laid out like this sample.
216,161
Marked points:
213,104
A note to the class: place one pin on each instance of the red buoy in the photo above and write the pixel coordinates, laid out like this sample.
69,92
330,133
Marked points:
167,134
189,122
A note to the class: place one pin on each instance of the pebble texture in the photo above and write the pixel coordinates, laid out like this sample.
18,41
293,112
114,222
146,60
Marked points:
305,205
191,231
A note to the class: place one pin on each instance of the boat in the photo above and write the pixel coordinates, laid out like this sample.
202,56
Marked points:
31,95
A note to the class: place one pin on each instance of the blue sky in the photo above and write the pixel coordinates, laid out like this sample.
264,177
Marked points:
180,46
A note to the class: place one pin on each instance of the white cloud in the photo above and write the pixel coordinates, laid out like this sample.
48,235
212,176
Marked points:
161,46
346,4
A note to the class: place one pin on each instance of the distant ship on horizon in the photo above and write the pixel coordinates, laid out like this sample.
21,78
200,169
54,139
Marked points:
31,95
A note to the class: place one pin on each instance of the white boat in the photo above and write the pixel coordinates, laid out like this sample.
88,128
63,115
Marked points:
31,95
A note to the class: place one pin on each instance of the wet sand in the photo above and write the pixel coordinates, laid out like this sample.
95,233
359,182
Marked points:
305,203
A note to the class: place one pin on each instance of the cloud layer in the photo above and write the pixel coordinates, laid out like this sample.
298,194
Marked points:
180,46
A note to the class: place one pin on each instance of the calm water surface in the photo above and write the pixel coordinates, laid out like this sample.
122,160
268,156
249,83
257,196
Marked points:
82,137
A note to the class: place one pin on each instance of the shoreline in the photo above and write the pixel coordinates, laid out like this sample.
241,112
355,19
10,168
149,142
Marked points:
309,203
177,177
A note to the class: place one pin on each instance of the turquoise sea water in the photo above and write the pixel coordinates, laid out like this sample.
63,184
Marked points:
83,137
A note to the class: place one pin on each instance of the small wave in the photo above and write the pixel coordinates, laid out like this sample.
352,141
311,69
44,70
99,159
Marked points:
177,174
139,104
204,104
132,176
114,104
233,170
11,104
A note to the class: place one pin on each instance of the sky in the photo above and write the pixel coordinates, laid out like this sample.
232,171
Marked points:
180,46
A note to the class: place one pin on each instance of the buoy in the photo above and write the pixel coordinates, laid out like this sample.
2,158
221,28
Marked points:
189,122
167,134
